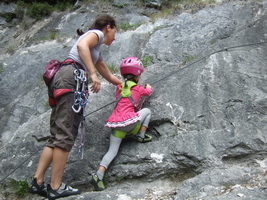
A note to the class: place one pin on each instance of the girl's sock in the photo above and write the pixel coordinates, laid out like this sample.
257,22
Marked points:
100,174
142,134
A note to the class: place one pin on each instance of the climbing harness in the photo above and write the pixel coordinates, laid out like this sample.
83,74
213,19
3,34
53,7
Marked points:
122,134
80,98
126,93
57,93
80,93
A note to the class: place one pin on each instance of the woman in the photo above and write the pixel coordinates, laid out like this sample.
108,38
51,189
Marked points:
85,56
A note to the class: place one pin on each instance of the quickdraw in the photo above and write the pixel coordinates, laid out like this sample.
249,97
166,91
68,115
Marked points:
80,95
80,101
82,138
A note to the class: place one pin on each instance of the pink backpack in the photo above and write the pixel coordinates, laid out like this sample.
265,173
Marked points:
50,70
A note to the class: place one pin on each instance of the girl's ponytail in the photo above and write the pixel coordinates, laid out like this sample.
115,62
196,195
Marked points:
128,77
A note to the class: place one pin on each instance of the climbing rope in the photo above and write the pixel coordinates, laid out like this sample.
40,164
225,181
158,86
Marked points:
172,73
186,66
6,176
206,56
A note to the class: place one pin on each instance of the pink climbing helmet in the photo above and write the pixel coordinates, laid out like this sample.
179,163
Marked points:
131,65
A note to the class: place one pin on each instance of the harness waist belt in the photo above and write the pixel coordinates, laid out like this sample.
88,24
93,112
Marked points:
69,61
58,92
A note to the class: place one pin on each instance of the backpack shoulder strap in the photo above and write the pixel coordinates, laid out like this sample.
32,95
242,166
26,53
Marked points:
126,92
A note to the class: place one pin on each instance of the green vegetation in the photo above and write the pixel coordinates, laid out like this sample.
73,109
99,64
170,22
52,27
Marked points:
158,28
21,187
173,134
169,7
170,3
113,67
125,26
9,16
53,34
213,41
13,187
62,6
146,60
43,9
188,58
10,49
1,68
119,5
46,104
39,10
120,178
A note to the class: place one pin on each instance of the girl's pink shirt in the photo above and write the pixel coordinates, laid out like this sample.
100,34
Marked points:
125,109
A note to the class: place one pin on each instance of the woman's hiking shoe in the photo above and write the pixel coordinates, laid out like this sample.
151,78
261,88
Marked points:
147,138
98,184
63,191
37,189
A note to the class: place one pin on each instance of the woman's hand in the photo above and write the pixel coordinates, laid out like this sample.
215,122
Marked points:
148,86
89,41
96,84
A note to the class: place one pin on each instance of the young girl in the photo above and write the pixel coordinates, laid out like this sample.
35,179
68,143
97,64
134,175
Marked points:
125,117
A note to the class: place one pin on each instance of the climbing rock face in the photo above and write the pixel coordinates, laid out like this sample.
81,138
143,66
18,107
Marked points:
209,104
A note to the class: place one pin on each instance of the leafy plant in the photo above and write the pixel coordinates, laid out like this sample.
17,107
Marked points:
10,16
188,58
51,36
125,26
113,68
213,41
168,7
120,178
19,188
119,5
21,3
39,10
46,104
10,49
146,60
62,6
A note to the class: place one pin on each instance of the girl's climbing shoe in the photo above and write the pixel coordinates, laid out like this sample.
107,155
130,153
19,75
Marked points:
37,189
98,184
147,138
